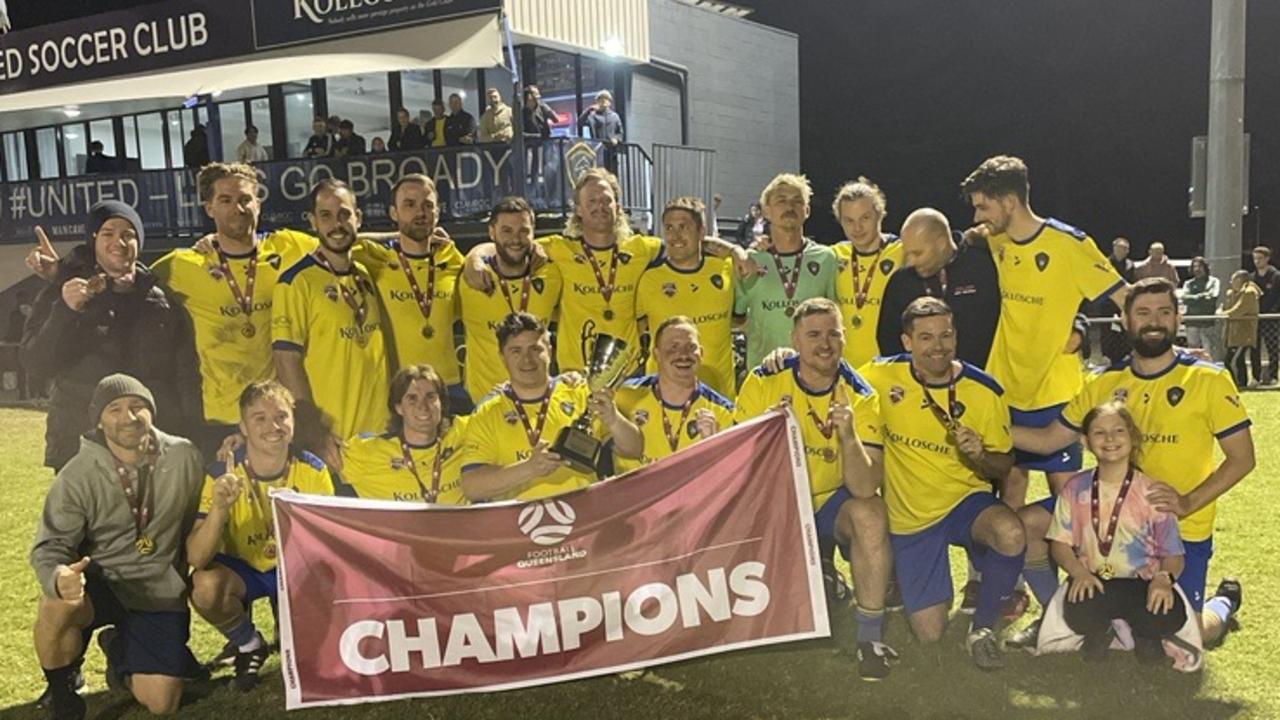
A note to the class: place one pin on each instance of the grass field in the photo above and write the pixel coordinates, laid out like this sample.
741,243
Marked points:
804,680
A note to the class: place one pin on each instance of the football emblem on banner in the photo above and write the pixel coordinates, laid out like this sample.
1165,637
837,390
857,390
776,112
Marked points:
548,522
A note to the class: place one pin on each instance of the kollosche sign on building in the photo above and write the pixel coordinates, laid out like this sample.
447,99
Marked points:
175,34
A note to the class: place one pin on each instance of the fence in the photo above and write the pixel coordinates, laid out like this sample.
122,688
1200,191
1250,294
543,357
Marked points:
1249,346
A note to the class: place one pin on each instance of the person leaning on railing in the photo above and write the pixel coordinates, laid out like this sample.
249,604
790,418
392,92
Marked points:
1200,294
1241,309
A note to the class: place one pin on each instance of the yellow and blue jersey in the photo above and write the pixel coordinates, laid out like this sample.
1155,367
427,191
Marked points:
638,401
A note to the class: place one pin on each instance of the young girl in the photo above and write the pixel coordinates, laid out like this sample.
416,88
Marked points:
1122,555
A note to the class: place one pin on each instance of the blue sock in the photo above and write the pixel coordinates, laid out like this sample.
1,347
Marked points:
999,575
870,624
1219,606
1042,576
243,633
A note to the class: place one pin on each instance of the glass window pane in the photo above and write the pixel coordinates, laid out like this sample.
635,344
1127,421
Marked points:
597,75
365,101
556,83
15,157
299,111
500,78
75,148
419,89
151,141
174,127
101,131
47,152
260,116
131,143
462,82
233,125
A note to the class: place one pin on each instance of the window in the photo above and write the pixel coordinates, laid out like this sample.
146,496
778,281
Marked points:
462,82
131,144
556,81
15,157
101,131
177,130
75,148
233,126
260,117
597,75
47,152
299,111
151,141
365,101
418,88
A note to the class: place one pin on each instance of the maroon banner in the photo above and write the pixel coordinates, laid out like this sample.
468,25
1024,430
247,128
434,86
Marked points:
709,550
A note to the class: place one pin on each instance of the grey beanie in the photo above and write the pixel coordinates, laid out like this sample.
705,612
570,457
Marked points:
107,209
114,387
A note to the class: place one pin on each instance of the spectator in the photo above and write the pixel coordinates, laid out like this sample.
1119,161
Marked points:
1119,258
13,334
349,144
321,143
713,215
495,123
1156,265
195,152
377,146
98,161
539,118
435,130
752,226
1241,310
1267,278
405,136
460,126
1114,341
105,313
250,151
1200,294
605,124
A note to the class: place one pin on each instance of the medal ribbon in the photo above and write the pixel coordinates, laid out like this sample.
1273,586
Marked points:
944,415
1104,542
828,427
263,501
425,300
139,496
359,307
243,299
534,433
606,289
503,285
860,293
789,281
436,467
673,438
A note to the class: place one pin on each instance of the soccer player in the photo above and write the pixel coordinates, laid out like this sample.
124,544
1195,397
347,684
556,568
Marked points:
1046,268
793,269
227,291
946,440
327,329
687,282
673,408
828,397
418,458
232,545
507,444
523,282
417,281
868,257
108,554
1183,406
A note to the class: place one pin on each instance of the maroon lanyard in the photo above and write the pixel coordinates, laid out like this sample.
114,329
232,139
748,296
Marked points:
505,287
359,307
1095,506
425,300
789,280
436,467
140,499
945,416
243,299
860,293
827,427
534,433
606,288
673,435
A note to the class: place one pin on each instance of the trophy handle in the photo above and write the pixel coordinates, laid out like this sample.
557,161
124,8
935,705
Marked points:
588,333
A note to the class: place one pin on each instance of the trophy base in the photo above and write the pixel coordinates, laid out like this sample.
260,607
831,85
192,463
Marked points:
577,448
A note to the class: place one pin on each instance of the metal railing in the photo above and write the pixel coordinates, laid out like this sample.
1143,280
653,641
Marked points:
1249,346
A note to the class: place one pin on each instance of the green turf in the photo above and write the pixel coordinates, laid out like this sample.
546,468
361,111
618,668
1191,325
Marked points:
803,680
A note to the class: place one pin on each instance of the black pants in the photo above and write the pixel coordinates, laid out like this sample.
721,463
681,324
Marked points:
1124,599
1237,358
1269,335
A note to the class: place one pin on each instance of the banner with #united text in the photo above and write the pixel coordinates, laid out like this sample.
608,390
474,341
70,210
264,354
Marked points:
710,550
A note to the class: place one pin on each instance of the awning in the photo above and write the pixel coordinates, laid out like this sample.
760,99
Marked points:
469,42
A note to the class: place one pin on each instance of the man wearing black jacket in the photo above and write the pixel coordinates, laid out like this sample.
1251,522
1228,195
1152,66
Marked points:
460,126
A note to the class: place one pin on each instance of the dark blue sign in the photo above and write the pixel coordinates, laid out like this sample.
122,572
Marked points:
289,22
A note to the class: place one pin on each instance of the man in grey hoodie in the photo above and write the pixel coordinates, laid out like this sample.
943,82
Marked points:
109,553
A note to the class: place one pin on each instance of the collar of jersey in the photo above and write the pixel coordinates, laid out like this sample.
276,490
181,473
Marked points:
412,256
551,386
528,271
240,256
334,271
803,246
697,393
1159,373
428,446
1034,235
795,372
242,458
884,242
701,262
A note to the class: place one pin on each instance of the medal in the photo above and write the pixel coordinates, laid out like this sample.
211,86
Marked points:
606,288
856,321
263,506
428,332
424,299
1106,571
944,416
243,299
789,279
269,550
791,311
532,432
140,499
608,313
829,454
248,331
860,292
673,434
145,545
436,467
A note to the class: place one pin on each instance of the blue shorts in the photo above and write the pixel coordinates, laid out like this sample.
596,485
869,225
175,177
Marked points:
825,520
151,643
257,584
1068,459
921,561
1196,571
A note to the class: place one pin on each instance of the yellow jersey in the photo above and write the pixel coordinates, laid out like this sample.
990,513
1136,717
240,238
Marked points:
666,428
249,534
416,336
497,435
537,294
234,348
345,360
705,295
860,286
1180,411
763,390
584,310
925,475
1043,280
375,465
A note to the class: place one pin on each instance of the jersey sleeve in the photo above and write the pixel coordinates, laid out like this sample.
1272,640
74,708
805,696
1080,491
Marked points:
831,271
867,420
290,245
652,248
289,325
479,439
206,497
163,268
1092,272
1073,413
751,399
741,299
995,426
1227,414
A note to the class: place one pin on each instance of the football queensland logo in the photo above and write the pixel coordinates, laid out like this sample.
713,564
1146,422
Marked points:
548,522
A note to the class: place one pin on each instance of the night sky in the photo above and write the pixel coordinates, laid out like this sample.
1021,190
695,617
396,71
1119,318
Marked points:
1100,97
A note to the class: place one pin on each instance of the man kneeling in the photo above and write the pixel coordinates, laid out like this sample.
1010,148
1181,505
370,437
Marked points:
233,544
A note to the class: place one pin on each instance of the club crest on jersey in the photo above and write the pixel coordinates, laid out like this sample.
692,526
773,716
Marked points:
844,265
642,417
274,261
896,393
511,417
957,409
215,272
814,267
692,429
1121,395
538,285
567,407
446,452
624,258
669,289
331,292
1042,261
397,463
717,282
1175,396
886,267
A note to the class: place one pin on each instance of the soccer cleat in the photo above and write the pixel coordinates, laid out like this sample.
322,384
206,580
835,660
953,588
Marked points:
1026,638
1096,645
873,660
893,595
77,684
984,647
249,666
112,646
66,705
1231,589
1016,606
838,591
969,599
226,657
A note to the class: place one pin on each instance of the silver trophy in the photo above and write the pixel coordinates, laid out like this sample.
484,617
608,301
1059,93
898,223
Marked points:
610,360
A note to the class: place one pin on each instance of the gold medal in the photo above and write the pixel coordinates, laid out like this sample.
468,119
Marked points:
608,313
248,331
790,311
145,545
428,332
856,321
269,550
1107,572
829,454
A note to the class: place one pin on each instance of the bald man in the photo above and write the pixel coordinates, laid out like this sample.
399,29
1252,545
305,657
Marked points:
1156,265
938,263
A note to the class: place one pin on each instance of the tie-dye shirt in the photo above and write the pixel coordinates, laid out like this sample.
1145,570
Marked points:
1143,536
